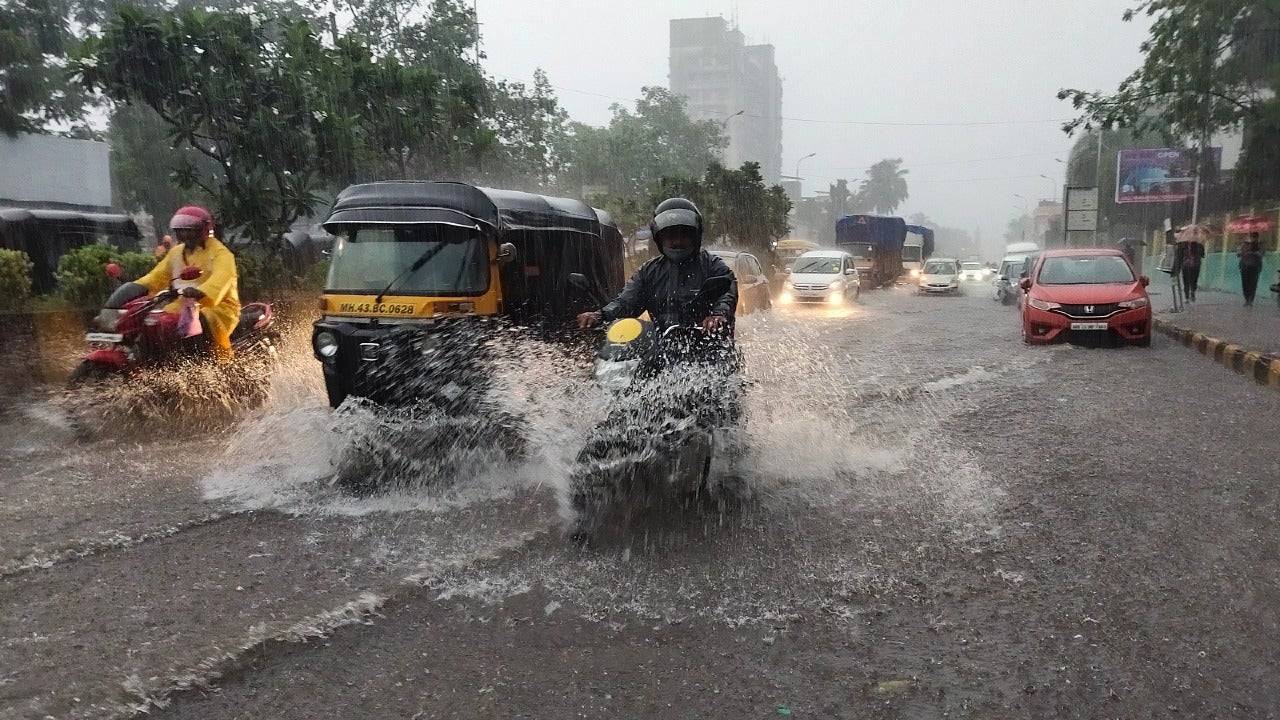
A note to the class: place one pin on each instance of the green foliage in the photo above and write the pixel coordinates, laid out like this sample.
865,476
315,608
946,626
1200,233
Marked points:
530,130
1208,65
738,209
237,90
82,277
34,93
261,275
638,149
15,279
884,188
144,162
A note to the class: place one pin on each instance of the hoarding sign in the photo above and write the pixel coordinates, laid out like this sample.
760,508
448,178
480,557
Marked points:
1149,175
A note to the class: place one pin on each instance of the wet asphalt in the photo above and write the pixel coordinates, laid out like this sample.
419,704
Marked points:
946,524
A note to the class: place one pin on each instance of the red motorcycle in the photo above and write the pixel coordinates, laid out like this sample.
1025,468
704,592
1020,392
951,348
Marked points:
134,331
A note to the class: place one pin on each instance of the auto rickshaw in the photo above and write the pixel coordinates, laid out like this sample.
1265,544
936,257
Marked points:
415,252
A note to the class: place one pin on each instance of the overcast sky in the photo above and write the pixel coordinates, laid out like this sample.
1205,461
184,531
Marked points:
868,61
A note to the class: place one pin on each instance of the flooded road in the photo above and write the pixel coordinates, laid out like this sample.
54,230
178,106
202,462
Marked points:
946,524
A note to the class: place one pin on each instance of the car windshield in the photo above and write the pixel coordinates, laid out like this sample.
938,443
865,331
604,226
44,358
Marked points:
939,268
367,258
1085,270
817,265
911,253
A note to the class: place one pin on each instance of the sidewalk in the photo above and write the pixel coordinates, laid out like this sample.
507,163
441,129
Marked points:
1245,339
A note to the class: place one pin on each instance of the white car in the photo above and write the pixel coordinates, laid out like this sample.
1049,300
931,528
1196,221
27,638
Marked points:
940,275
974,272
821,276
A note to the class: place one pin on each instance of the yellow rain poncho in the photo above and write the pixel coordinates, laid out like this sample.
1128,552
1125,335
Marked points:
220,305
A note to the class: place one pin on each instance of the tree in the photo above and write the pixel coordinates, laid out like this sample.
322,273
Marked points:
884,188
239,90
530,129
144,162
1208,65
639,148
35,36
737,207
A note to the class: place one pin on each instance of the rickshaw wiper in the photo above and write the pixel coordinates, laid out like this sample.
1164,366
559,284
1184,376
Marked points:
415,267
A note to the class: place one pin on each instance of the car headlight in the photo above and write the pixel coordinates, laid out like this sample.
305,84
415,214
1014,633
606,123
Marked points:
325,344
915,272
788,285
1039,304
1139,302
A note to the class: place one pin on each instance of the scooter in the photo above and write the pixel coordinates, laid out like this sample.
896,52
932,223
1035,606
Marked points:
134,332
675,396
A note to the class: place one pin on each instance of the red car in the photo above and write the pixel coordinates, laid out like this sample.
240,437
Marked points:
1085,292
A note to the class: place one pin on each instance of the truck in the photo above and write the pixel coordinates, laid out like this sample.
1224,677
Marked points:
875,241
917,248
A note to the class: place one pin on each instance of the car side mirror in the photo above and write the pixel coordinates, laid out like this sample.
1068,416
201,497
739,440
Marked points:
1143,280
786,270
1025,283
507,253
578,281
850,271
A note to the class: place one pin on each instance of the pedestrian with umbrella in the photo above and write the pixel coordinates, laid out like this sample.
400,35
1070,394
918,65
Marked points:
1192,239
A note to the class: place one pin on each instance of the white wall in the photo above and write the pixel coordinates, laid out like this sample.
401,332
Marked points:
47,168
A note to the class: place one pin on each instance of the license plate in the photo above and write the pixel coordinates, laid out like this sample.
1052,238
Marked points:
1088,326
103,337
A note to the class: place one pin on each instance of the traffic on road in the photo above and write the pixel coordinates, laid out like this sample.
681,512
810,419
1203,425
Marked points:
496,360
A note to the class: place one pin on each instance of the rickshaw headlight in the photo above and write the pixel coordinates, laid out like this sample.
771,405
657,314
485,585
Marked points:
326,344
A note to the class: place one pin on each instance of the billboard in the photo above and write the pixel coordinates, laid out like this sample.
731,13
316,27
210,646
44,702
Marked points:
1151,175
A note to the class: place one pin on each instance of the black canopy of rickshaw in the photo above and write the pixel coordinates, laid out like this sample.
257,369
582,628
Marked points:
553,236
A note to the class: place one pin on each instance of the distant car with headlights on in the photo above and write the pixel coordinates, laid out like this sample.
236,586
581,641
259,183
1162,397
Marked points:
974,272
940,275
1085,293
822,276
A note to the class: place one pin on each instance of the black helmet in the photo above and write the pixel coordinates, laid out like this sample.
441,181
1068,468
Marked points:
676,212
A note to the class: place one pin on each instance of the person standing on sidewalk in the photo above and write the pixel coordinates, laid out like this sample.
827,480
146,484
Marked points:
1192,254
1250,253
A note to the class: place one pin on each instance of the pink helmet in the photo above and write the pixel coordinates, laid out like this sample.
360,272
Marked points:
192,216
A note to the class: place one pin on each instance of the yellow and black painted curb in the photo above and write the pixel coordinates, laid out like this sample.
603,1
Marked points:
1264,369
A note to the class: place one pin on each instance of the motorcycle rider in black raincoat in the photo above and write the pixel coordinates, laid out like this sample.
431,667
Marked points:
666,286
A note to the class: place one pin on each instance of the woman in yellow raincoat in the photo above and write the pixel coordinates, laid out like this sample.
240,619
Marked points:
215,290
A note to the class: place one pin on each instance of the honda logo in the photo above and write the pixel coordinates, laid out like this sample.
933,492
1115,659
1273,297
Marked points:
1088,309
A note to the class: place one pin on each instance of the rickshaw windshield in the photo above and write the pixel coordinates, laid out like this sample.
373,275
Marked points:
367,257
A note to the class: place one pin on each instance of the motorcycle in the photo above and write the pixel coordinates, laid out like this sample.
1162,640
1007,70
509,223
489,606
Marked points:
675,395
134,331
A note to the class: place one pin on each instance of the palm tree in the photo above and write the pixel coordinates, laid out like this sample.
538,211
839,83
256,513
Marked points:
885,186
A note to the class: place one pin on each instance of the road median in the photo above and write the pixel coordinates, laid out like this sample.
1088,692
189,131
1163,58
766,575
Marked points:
1263,368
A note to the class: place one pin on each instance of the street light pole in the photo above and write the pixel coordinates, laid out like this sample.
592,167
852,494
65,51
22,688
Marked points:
724,124
798,179
806,157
